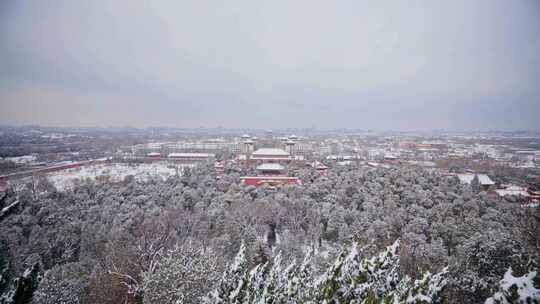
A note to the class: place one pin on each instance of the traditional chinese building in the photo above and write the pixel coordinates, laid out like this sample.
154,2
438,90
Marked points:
272,174
484,180
320,167
220,168
270,155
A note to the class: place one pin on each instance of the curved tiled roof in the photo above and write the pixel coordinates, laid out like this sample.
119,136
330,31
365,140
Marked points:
270,166
270,151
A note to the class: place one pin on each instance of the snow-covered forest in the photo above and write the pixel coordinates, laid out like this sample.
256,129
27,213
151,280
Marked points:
356,235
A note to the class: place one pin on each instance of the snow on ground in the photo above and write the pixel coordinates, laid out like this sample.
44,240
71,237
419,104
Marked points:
26,159
63,180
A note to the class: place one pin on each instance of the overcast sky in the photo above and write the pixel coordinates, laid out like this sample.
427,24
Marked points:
401,65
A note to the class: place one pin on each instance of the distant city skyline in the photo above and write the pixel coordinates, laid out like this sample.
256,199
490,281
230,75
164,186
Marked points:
381,65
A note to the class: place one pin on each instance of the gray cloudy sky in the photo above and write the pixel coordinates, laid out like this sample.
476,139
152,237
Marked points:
408,65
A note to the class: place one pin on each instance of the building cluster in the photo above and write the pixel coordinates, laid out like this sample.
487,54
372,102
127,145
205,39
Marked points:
271,162
513,161
485,183
270,159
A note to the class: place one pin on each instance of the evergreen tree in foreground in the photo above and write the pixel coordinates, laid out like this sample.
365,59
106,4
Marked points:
234,283
350,279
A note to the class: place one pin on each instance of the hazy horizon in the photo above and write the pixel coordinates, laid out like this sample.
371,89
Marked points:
381,65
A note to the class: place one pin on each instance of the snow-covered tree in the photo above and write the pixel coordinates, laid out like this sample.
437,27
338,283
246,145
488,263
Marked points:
256,284
439,222
183,274
62,284
273,286
516,290
428,289
23,287
350,279
329,283
300,284
475,183
232,287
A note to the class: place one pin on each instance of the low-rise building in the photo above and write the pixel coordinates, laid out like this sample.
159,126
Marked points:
484,180
190,157
271,155
272,174
320,167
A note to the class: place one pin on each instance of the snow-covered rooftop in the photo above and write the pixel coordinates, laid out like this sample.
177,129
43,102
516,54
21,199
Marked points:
191,155
26,159
270,151
390,156
483,179
270,166
345,163
242,157
511,192
318,165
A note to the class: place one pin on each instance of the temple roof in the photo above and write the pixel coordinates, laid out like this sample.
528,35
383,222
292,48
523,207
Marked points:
270,151
270,166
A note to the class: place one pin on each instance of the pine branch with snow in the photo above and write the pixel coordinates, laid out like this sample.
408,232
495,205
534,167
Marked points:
234,282
350,279
255,287
514,290
428,289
